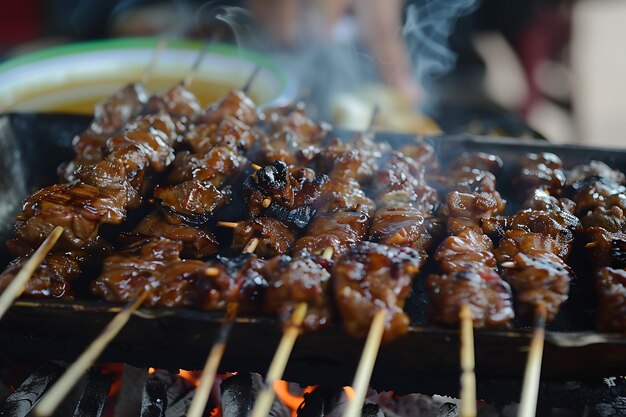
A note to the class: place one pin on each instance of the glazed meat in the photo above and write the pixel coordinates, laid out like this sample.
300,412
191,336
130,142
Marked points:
346,194
474,206
153,266
541,172
611,293
591,192
400,226
192,201
401,181
216,166
176,101
197,242
486,294
479,161
274,237
52,278
79,208
337,229
299,280
606,248
285,146
294,193
294,120
612,220
370,277
239,280
539,278
235,104
230,132
595,169
469,249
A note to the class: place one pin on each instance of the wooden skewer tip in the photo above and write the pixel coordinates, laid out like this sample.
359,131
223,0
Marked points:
251,245
230,225
18,284
366,365
591,245
53,397
266,202
468,376
255,167
328,253
212,271
508,264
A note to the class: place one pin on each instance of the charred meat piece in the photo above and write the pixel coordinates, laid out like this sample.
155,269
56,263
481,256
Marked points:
197,243
176,101
288,193
240,280
230,132
274,237
286,146
479,161
52,278
337,229
298,280
193,201
401,181
557,225
469,249
591,192
541,172
612,220
79,208
235,104
474,206
216,166
370,277
538,278
295,121
400,226
487,295
606,248
346,194
153,266
596,169
611,292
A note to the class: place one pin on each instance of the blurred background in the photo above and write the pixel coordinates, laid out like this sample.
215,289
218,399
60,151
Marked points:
525,68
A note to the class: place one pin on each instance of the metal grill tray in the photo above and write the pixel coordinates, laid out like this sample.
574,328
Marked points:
32,145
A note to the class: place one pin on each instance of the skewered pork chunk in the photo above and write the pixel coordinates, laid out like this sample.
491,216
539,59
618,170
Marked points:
235,104
595,169
400,226
240,280
479,161
370,277
274,237
468,249
79,208
337,229
591,192
293,119
346,194
286,147
611,292
230,132
216,166
612,220
486,294
176,101
606,248
197,243
153,266
539,277
296,280
541,172
193,201
52,278
294,192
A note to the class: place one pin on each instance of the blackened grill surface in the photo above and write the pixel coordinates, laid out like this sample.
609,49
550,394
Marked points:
180,338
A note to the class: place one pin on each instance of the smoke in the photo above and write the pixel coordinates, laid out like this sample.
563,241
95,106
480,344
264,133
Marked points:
427,28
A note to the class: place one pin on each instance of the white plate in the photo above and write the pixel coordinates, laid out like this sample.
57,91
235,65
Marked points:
72,78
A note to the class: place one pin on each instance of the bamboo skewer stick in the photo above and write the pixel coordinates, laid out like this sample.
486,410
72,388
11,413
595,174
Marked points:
468,377
196,65
266,202
532,374
328,253
18,284
72,375
147,73
256,167
207,379
279,362
366,365
251,245
230,225
251,78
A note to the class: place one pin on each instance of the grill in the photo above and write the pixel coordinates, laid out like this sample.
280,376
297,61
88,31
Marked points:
579,365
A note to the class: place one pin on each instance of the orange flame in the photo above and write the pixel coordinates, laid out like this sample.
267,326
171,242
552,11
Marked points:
290,400
191,376
349,391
